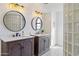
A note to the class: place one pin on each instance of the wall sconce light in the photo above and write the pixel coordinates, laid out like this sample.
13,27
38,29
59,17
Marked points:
16,6
37,13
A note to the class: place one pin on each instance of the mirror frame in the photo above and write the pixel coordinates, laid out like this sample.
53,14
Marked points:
36,19
16,12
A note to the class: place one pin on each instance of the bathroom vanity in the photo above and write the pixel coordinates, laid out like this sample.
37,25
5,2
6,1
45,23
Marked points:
25,46
19,47
41,44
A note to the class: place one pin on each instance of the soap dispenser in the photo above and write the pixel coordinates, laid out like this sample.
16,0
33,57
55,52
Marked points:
17,34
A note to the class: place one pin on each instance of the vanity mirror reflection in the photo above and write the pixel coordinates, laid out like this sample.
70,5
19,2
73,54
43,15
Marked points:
14,21
36,23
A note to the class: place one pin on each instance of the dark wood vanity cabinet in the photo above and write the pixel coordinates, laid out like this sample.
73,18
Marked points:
28,48
14,48
35,46
23,47
41,45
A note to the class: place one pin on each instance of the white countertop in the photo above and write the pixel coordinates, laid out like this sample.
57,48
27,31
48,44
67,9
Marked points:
8,39
41,35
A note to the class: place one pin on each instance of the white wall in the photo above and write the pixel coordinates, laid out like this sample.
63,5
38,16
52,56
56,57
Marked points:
47,22
0,47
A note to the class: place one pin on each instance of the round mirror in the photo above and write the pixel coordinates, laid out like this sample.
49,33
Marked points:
14,21
36,23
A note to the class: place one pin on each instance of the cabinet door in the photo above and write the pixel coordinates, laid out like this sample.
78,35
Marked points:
41,45
28,47
46,42
14,49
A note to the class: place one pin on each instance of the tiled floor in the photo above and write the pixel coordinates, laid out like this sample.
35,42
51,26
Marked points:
54,51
